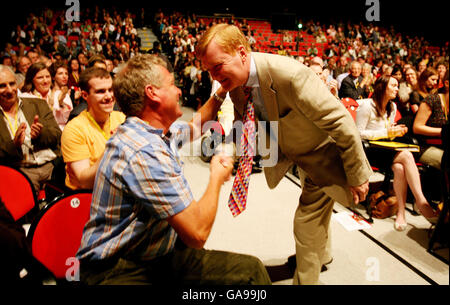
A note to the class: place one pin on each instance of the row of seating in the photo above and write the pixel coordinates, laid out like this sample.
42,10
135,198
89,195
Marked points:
55,231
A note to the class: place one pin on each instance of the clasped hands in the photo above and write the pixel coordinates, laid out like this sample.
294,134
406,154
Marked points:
35,131
395,131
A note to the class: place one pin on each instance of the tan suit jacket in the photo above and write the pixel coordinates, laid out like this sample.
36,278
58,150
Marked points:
315,131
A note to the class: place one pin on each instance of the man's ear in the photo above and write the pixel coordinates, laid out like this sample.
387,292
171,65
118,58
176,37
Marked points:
151,92
84,94
242,52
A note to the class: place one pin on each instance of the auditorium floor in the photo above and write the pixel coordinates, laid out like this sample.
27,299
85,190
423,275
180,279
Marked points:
373,256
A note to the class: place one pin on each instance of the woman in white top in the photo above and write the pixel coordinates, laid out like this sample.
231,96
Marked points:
62,103
38,83
375,120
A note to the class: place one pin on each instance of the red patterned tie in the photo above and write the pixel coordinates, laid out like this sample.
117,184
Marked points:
238,196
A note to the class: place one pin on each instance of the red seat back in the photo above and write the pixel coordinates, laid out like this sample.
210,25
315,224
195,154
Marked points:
16,191
56,233
351,106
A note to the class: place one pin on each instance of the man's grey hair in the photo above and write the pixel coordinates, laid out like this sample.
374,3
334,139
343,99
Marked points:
130,81
4,67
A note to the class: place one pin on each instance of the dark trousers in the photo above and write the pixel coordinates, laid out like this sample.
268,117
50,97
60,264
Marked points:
182,266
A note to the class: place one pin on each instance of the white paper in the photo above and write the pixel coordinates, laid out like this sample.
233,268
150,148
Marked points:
349,222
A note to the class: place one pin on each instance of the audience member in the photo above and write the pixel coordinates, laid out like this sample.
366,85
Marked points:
62,103
431,117
331,84
353,85
74,73
16,251
442,67
410,94
23,63
38,82
84,137
422,66
30,136
98,61
375,120
426,85
33,55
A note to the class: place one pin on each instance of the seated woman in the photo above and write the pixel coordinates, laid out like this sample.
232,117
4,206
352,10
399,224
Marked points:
431,116
409,101
62,103
426,85
375,120
38,83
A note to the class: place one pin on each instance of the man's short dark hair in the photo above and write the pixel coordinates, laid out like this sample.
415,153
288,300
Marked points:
90,73
95,59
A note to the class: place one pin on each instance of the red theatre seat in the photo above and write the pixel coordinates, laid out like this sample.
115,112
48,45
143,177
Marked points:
56,232
16,192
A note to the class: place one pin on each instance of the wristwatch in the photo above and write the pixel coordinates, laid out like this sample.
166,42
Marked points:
218,98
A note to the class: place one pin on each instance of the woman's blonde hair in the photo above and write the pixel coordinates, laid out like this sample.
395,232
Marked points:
228,37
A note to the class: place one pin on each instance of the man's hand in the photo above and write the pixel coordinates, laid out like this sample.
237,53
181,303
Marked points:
19,138
360,192
36,128
333,86
221,167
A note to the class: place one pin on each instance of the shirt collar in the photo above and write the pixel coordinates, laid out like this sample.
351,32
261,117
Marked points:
253,80
150,128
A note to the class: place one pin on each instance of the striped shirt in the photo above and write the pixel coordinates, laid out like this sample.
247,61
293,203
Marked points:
139,184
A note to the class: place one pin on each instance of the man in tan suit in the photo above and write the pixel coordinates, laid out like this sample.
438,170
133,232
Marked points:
315,131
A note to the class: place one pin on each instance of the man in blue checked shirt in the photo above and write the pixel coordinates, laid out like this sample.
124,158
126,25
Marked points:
145,226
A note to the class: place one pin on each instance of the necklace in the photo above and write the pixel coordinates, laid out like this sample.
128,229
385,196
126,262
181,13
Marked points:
11,126
105,135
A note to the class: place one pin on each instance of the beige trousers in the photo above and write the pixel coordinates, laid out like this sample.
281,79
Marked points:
312,228
38,175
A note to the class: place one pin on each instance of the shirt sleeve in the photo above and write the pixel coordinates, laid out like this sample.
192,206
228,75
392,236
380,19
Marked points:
73,144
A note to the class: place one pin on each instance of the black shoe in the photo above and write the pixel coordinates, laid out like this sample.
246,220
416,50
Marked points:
292,264
256,169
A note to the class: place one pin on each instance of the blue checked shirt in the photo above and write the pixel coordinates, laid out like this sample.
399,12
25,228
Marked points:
138,185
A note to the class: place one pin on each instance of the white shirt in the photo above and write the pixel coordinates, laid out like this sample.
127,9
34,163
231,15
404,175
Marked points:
253,81
371,126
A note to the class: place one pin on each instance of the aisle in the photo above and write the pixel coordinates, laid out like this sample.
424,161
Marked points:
380,256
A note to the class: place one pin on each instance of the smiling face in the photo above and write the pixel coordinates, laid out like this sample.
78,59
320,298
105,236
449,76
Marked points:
100,97
230,70
42,82
170,95
411,77
8,89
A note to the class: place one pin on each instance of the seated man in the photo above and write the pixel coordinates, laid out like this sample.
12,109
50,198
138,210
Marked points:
353,85
145,226
29,134
84,138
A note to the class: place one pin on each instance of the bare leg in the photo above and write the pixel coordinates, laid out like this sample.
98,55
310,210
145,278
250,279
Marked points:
413,178
400,189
